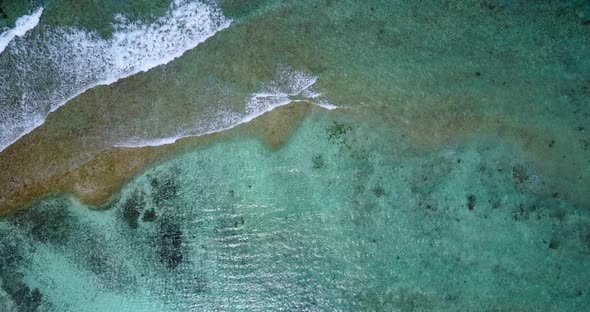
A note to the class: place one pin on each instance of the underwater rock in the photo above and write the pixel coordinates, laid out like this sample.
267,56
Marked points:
583,12
238,222
586,238
97,262
554,244
171,239
489,5
45,224
519,174
471,201
164,188
131,209
25,299
318,161
337,130
378,191
6,304
426,204
337,133
149,216
535,210
230,225
10,257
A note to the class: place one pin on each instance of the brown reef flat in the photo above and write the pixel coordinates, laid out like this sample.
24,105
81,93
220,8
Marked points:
39,163
557,153
378,68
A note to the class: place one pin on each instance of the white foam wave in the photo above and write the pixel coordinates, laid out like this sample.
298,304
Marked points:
22,25
47,70
290,86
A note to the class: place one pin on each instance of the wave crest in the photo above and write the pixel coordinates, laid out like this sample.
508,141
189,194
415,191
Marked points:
47,69
287,87
22,25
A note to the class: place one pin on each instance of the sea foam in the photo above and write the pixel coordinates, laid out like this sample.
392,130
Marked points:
22,25
46,69
289,86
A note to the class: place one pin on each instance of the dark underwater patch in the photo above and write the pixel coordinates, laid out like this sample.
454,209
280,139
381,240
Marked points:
11,10
164,188
519,174
97,262
25,298
49,223
132,208
11,255
378,191
149,216
171,241
471,202
2,13
11,258
554,244
318,161
337,134
229,224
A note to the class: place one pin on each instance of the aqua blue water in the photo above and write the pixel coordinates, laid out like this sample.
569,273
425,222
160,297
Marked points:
452,176
319,225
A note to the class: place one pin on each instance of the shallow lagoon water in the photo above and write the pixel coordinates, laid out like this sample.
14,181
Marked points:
332,221
452,177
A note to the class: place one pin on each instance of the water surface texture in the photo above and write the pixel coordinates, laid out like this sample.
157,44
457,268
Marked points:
200,155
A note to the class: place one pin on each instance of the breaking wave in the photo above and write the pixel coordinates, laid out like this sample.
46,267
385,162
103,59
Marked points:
45,68
288,86
22,25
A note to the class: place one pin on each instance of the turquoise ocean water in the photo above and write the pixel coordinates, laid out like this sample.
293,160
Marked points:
453,174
